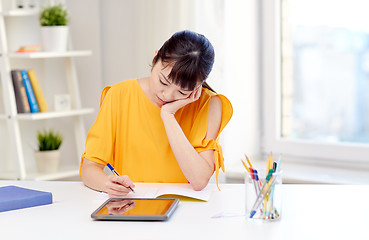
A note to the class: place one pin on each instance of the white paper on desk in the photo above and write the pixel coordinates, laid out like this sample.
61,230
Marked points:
176,189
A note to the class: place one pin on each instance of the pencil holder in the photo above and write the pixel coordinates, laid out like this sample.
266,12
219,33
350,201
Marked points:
263,196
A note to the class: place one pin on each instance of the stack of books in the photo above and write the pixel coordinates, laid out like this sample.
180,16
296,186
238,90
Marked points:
28,93
29,48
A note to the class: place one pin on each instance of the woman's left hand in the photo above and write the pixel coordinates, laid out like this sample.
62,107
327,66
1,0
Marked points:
172,107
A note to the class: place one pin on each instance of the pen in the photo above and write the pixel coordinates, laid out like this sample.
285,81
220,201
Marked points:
116,173
266,201
257,179
263,194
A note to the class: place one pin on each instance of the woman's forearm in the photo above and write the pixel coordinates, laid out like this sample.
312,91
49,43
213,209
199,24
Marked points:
195,168
93,175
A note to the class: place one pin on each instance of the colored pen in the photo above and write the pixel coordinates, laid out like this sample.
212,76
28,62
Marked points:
254,176
276,170
263,194
257,179
277,164
271,213
116,173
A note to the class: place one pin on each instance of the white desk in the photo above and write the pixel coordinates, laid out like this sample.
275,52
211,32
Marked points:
309,212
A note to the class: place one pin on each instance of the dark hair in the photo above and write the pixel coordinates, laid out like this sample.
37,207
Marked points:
192,57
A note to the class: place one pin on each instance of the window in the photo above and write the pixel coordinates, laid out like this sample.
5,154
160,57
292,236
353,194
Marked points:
316,78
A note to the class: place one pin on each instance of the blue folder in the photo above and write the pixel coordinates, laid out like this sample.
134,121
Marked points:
13,197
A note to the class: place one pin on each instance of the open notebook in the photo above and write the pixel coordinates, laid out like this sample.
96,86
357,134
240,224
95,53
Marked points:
176,190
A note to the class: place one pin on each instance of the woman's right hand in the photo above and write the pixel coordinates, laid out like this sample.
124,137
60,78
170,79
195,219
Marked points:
118,186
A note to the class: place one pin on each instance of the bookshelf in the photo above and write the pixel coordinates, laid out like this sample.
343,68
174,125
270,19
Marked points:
20,127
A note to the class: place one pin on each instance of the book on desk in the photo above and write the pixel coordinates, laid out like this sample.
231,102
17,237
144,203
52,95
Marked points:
182,191
13,197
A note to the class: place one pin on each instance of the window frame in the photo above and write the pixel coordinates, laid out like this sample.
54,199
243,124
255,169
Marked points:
271,103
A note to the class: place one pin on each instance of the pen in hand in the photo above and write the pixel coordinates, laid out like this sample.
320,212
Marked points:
116,173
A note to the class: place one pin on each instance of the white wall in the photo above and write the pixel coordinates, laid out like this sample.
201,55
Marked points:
242,84
85,29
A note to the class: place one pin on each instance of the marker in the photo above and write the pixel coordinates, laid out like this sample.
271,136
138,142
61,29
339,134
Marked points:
116,173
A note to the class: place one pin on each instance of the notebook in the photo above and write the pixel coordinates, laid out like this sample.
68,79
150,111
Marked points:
183,191
13,197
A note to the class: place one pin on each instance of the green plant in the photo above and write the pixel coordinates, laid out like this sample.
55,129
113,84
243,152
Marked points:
54,16
49,140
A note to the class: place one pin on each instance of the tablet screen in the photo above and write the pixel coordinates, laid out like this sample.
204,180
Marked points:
135,209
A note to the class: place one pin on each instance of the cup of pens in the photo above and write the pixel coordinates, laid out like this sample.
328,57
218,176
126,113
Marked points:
263,192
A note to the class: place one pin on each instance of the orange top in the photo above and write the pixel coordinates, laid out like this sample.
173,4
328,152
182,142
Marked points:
129,134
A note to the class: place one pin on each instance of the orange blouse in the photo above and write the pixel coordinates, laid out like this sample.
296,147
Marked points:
129,134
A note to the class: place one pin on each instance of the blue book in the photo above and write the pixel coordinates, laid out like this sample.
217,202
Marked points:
30,93
13,197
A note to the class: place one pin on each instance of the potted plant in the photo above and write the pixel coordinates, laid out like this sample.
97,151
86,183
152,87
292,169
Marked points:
48,154
54,28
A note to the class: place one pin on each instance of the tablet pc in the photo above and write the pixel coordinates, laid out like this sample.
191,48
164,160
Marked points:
136,209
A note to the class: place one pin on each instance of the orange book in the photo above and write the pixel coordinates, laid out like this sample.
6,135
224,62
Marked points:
38,91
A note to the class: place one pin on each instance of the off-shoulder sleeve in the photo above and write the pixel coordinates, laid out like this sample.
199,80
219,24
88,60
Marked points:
99,141
201,144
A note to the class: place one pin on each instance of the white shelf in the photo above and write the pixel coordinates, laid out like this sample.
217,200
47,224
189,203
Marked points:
21,12
51,54
55,176
72,171
7,175
48,115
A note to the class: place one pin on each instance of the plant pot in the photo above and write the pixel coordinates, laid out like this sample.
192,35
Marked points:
54,38
47,161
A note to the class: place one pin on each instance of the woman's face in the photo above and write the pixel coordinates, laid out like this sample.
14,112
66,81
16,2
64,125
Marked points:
161,87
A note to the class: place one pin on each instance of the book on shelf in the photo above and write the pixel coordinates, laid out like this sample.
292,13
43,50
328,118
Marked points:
29,48
14,197
30,93
38,91
20,92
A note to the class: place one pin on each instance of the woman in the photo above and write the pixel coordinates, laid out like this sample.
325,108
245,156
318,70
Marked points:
162,128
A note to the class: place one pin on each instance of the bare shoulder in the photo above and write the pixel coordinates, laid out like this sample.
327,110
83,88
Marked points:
215,103
215,117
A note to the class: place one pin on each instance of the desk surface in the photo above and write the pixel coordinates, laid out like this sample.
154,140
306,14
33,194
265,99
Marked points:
309,212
